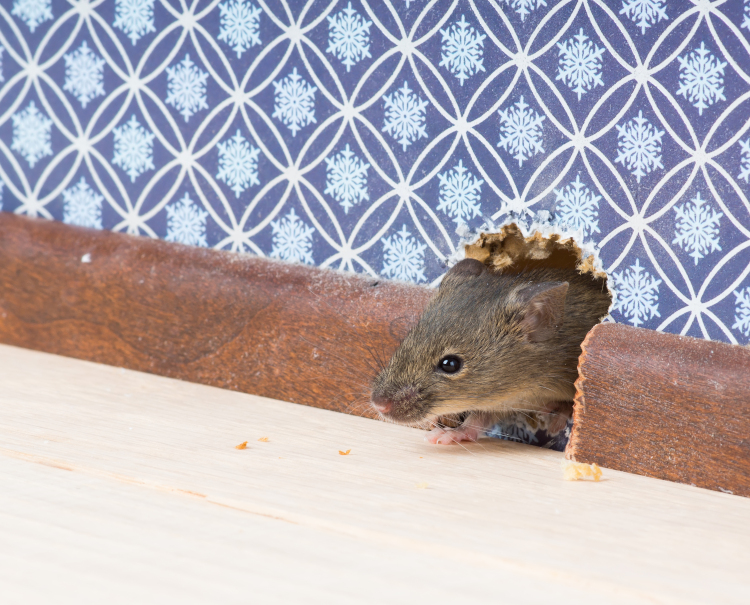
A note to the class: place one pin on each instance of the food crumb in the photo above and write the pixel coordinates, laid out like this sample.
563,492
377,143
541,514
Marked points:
241,446
264,439
346,453
573,471
422,485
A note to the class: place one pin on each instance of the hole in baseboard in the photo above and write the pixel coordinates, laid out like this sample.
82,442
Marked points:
510,250
514,248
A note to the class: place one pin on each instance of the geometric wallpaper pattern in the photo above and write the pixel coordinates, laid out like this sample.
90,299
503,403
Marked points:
360,135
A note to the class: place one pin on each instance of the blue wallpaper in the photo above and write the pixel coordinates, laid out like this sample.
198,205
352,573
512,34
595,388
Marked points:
361,135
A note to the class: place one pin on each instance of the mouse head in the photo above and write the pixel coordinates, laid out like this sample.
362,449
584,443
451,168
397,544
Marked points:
475,346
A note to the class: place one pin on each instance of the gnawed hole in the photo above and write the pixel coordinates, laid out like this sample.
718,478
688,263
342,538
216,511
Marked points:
509,251
513,249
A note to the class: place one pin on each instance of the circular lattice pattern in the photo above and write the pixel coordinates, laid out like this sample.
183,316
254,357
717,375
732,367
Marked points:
360,135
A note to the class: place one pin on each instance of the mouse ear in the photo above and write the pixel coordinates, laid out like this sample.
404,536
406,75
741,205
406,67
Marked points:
545,309
465,269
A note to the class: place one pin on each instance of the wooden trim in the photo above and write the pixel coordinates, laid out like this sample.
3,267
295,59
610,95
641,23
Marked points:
663,405
235,321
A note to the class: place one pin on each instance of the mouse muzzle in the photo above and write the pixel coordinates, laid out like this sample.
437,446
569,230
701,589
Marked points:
400,407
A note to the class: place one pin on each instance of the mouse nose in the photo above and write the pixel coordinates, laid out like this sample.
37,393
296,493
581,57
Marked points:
382,404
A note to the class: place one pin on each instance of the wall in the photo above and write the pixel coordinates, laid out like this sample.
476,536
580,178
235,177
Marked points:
360,136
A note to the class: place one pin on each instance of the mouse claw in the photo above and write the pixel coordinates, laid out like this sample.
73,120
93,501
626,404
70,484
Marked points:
433,435
440,436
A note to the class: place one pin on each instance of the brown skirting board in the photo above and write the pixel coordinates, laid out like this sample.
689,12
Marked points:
666,406
235,321
649,403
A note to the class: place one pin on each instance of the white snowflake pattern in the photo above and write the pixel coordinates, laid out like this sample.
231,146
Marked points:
745,160
636,294
521,131
292,239
31,134
133,148
240,25
639,146
135,18
349,37
644,13
525,7
84,74
742,311
697,228
516,208
186,223
403,257
701,78
578,207
460,193
2,79
746,16
580,64
405,116
346,178
238,163
32,12
82,206
294,102
462,50
187,87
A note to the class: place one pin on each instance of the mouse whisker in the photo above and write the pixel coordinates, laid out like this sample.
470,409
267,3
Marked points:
345,362
466,448
357,408
540,411
375,356
380,357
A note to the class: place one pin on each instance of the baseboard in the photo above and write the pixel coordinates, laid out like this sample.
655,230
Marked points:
235,321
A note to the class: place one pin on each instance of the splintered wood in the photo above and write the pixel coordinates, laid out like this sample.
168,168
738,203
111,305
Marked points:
575,471
509,250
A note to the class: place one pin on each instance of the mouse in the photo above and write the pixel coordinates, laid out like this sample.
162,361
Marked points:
490,344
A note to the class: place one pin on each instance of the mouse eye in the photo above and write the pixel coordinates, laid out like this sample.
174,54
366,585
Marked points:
450,364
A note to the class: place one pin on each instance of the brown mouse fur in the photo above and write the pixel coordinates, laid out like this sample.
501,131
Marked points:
517,336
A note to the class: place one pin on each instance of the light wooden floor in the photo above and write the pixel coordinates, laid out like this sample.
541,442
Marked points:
121,487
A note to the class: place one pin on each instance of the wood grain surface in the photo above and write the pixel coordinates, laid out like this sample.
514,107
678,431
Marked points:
125,487
235,321
663,405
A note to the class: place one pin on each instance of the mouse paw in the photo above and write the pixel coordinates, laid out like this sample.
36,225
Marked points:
440,436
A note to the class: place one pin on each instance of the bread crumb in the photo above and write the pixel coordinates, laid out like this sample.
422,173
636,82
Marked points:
346,453
573,471
422,485
264,439
241,446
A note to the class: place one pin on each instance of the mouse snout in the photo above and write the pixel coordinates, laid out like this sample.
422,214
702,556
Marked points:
382,404
396,405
